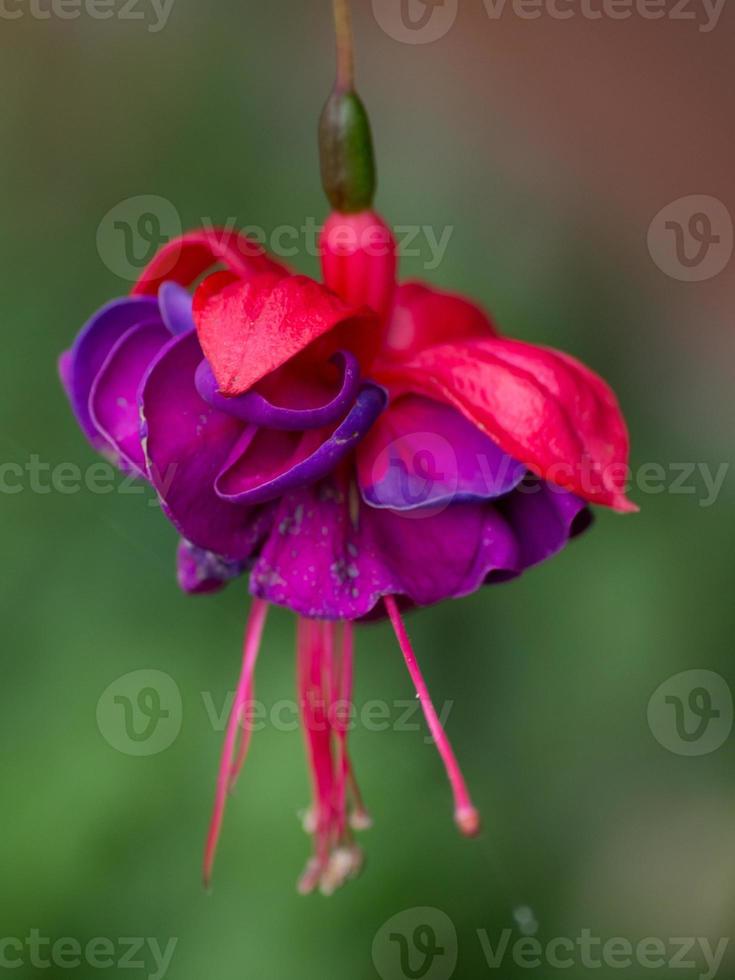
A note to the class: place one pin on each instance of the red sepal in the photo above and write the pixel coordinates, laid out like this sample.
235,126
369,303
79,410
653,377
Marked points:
542,407
185,259
247,329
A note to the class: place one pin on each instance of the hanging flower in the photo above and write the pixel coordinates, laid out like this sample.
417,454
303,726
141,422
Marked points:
357,447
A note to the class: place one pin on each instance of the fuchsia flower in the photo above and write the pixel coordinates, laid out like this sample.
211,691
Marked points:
356,447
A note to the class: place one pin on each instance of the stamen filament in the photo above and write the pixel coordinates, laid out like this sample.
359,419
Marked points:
465,815
227,772
341,708
311,655
325,670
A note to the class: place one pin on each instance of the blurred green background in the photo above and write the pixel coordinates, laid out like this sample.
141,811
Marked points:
547,147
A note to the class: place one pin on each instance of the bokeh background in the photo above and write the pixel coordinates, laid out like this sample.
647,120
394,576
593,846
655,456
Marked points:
547,146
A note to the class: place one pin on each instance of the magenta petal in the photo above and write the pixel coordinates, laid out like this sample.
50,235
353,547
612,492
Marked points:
90,350
266,464
254,407
442,555
176,304
187,443
113,401
200,572
543,517
422,453
321,559
316,561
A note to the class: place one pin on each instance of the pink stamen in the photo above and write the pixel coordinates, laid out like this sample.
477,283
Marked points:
342,693
311,676
243,696
465,815
325,658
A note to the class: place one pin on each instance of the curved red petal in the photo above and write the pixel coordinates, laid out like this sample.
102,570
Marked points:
186,258
248,329
542,407
423,316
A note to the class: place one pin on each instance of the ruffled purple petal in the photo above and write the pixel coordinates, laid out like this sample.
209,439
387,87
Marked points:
255,408
266,464
90,350
199,571
320,561
543,517
175,304
333,558
422,453
186,444
113,400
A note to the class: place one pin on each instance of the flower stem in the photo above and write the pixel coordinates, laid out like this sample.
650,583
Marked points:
345,45
345,141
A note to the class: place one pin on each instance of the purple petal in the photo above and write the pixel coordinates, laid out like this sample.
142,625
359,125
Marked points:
186,445
422,453
321,562
266,464
90,350
443,555
175,304
113,401
254,407
199,571
328,559
543,518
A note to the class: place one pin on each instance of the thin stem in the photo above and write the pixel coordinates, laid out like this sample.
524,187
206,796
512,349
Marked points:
465,815
345,45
